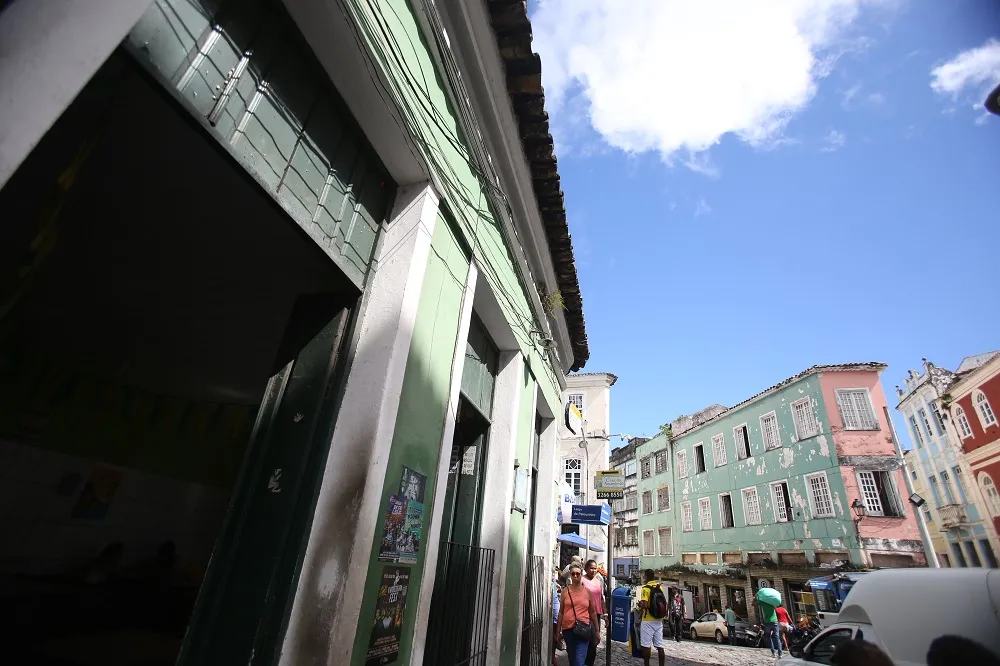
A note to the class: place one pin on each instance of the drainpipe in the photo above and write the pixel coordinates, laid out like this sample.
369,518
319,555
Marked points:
925,535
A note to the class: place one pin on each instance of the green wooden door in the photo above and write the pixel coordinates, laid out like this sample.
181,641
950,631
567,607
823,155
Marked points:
245,598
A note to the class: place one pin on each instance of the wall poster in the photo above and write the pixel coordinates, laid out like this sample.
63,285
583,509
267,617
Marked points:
387,627
404,517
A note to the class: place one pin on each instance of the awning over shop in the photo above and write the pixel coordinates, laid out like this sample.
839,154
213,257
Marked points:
579,542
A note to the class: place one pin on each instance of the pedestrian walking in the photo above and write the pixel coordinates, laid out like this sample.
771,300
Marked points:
653,606
594,583
769,618
579,617
677,615
784,624
731,624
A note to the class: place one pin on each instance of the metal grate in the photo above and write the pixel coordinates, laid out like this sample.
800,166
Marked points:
457,630
535,610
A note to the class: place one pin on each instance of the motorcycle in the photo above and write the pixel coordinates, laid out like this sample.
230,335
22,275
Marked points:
753,636
800,635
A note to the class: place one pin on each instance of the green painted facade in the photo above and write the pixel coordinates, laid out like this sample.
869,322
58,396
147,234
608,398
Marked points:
417,89
791,462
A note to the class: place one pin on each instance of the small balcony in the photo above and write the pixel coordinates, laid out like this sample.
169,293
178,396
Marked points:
953,515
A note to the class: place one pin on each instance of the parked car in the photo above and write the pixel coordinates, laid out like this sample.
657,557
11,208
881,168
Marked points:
713,625
904,610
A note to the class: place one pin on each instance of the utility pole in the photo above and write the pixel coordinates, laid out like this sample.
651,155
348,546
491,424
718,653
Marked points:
925,535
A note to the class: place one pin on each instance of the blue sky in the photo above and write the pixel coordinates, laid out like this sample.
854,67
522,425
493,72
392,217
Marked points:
749,196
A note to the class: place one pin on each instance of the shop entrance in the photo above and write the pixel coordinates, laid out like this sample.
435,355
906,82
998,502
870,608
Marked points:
169,361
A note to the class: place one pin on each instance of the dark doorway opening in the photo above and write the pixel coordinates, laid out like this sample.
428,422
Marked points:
152,300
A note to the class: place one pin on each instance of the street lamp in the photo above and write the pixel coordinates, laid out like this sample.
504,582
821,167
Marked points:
859,509
916,500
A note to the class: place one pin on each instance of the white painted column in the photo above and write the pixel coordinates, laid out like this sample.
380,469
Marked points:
432,543
330,589
51,49
498,488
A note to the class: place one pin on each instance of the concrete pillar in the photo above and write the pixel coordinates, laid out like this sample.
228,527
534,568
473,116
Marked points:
324,615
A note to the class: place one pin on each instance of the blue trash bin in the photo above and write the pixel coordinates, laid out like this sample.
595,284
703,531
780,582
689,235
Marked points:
621,612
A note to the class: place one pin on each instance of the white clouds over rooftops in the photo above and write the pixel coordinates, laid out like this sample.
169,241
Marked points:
677,75
973,71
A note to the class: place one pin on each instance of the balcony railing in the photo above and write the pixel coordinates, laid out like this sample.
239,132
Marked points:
953,515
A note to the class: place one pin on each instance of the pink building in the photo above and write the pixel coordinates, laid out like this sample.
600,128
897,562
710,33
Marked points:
871,468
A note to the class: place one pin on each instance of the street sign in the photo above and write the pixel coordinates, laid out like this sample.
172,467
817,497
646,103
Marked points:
610,484
591,514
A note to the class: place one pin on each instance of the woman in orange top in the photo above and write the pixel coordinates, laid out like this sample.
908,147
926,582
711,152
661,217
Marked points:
577,605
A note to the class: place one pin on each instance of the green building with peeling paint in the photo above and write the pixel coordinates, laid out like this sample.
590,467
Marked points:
290,301
777,483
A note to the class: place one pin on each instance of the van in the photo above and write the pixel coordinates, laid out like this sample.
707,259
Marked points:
904,610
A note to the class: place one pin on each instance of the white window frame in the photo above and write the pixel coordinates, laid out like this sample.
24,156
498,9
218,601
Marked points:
642,500
922,413
990,493
812,499
736,437
687,518
670,541
801,429
644,472
861,424
770,445
746,493
987,417
719,456
722,513
682,465
869,492
962,423
576,471
662,508
918,436
705,513
694,458
577,400
651,551
777,498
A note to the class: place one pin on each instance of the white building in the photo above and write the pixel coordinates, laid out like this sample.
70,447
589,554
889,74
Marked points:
584,453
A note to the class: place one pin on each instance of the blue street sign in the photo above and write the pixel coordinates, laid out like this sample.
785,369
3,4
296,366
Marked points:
591,514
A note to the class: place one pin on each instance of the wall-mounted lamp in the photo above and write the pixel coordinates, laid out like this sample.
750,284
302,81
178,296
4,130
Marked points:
859,509
916,500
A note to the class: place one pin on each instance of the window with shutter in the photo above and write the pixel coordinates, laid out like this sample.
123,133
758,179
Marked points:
726,510
647,502
661,462
769,431
705,513
856,409
986,415
647,543
782,503
819,495
964,429
719,450
751,506
742,437
804,418
646,470
663,499
682,466
666,542
686,518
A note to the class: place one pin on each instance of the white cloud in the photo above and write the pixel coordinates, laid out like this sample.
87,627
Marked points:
974,71
702,208
675,76
834,141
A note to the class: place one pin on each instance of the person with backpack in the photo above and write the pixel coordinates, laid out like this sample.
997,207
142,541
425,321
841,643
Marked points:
653,606
677,616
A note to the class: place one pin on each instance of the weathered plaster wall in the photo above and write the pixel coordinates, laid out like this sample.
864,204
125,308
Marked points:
791,462
856,442
654,521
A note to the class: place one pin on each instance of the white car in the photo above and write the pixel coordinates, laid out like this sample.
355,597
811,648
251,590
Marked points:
903,611
711,625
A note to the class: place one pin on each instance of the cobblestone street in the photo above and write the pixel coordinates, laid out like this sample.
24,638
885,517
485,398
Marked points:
686,653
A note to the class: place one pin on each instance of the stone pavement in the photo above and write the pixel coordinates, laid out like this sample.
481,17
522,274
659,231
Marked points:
686,653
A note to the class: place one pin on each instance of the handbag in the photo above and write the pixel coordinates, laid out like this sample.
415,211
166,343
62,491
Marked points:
580,629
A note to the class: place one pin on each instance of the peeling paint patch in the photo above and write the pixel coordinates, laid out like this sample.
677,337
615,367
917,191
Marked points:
836,501
787,458
763,468
817,544
824,446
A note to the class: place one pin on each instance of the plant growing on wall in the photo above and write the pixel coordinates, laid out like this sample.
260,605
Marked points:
553,303
667,431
